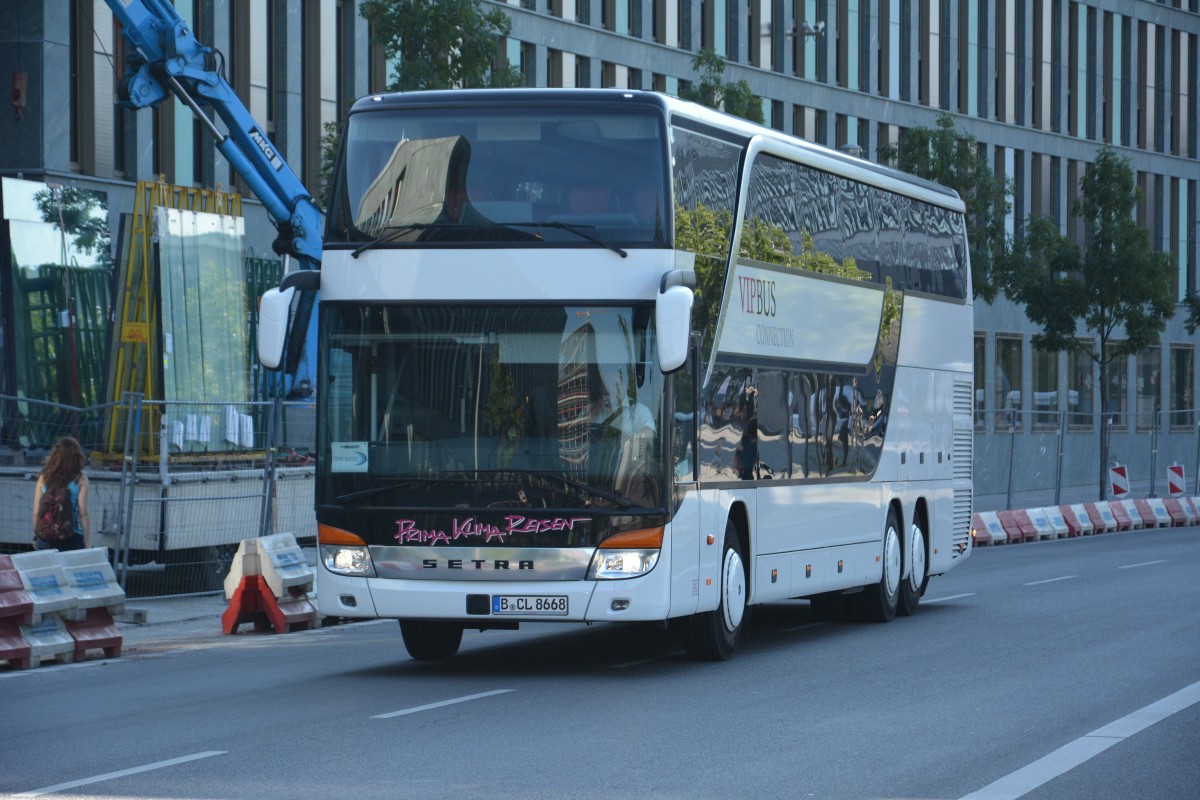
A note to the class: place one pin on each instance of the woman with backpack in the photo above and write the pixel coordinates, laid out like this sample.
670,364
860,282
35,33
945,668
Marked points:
60,501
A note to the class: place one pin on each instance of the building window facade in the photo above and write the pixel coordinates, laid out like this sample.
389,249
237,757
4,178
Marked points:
1183,381
1149,387
1081,389
1007,385
1045,388
1116,390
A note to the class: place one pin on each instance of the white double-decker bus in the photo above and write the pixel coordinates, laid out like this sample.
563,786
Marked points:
605,356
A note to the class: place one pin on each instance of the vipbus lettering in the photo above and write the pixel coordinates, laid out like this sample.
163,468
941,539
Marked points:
758,296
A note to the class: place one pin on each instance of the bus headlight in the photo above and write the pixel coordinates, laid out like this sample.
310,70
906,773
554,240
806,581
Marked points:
344,553
626,555
346,560
610,564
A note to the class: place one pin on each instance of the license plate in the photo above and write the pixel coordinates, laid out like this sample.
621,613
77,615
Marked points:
530,605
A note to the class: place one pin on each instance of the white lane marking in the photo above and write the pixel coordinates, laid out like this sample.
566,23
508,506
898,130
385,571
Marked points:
1143,564
1071,755
1053,580
951,597
804,627
121,773
429,706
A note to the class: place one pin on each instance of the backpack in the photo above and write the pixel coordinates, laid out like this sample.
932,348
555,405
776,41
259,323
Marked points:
55,516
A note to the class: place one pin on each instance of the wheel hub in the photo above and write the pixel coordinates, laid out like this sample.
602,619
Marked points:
891,561
916,574
733,590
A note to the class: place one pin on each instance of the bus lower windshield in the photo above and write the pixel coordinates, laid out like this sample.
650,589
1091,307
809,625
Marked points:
487,176
486,407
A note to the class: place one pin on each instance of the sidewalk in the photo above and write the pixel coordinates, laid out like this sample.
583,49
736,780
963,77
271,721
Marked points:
151,621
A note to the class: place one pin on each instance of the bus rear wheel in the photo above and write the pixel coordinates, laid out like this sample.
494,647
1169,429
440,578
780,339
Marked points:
912,588
878,603
713,635
431,641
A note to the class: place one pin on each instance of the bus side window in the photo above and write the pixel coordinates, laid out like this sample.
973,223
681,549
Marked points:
684,416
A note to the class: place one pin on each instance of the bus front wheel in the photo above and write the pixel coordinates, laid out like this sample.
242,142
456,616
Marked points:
431,641
878,603
713,635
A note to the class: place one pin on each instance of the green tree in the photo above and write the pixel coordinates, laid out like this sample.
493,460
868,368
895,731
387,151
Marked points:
441,44
79,214
331,134
1192,303
944,156
713,91
1117,285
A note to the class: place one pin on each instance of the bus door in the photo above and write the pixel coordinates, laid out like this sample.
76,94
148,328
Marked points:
685,496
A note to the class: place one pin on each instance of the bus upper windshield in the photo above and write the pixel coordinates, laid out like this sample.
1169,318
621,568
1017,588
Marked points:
485,407
488,176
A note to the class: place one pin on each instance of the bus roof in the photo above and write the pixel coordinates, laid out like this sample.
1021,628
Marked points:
819,155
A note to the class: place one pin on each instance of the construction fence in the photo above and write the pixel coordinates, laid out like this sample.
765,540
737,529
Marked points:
184,484
1055,455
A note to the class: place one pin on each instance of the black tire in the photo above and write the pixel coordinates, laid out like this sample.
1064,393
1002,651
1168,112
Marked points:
878,603
912,588
713,635
431,641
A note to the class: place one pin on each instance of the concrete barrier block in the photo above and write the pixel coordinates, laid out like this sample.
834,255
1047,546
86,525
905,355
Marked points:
1102,517
15,602
96,631
1120,515
1084,520
1012,526
1149,517
1135,515
245,564
991,522
1027,528
1179,517
283,565
1159,509
93,579
1041,523
13,647
1194,502
979,532
1189,511
48,638
1074,528
47,583
1057,521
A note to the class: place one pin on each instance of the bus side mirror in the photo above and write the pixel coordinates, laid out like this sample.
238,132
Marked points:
274,309
673,321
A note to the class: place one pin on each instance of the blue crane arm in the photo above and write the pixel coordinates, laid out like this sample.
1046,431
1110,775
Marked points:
169,61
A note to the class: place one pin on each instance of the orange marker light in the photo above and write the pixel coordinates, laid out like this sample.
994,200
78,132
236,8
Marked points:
327,534
646,539
711,538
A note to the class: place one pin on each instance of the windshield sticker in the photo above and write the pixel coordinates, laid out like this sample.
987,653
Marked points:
470,528
348,457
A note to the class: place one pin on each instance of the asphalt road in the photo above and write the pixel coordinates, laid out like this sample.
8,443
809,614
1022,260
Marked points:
1062,669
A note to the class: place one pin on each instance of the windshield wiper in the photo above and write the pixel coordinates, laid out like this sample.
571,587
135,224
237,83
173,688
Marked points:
374,490
578,230
587,488
394,232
